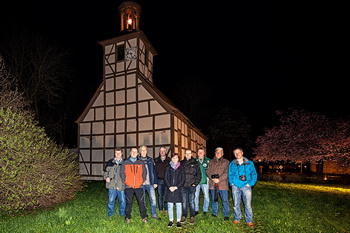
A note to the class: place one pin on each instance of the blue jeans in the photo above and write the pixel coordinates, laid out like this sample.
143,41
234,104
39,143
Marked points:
188,194
205,191
152,198
224,199
244,193
178,211
112,195
161,192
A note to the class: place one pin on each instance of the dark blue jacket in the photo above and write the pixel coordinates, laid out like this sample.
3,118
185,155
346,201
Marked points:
152,171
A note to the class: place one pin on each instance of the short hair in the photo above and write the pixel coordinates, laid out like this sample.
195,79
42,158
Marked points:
118,149
142,146
175,154
238,148
219,148
200,148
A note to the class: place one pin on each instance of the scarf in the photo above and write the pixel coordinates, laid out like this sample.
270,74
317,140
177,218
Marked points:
174,166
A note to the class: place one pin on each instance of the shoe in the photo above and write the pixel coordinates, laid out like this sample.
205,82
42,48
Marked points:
156,217
250,224
183,219
191,220
161,211
205,213
165,212
196,213
226,218
127,220
145,220
235,222
213,215
170,224
178,224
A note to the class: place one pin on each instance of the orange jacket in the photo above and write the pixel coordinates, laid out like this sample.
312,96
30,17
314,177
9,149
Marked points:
133,174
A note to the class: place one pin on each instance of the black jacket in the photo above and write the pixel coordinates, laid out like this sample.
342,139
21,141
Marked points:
193,172
161,166
174,178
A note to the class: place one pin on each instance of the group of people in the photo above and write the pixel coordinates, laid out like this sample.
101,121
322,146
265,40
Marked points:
179,184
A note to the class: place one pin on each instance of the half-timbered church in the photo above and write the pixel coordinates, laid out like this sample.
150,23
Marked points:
127,110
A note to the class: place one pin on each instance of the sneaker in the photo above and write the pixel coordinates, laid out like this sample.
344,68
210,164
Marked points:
156,217
196,213
250,224
165,212
213,215
178,224
226,218
145,220
205,213
191,220
183,219
127,220
235,222
170,224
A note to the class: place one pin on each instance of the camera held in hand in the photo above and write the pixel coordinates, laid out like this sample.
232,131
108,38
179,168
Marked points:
215,176
243,178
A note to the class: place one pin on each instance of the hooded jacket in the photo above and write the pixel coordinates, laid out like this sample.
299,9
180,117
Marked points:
236,170
112,170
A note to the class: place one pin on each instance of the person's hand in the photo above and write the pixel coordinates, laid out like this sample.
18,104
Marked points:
108,179
216,180
155,186
172,188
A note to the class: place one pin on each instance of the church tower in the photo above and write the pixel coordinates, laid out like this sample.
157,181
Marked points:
127,110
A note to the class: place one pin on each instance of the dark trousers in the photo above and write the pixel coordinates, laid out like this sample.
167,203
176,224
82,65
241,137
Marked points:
188,195
140,197
161,195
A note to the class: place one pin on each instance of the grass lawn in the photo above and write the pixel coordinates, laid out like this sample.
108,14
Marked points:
277,207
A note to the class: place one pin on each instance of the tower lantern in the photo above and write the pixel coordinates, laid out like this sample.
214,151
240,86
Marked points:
130,15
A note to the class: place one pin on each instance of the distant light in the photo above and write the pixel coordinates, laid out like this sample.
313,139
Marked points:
129,21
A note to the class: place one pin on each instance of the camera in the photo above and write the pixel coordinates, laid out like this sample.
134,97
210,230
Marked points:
215,176
243,178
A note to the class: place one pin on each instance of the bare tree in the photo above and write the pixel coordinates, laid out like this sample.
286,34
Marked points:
41,71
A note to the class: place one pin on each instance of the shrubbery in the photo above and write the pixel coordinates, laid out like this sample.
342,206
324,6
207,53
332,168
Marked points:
34,171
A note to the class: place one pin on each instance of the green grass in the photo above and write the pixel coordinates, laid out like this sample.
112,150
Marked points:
278,207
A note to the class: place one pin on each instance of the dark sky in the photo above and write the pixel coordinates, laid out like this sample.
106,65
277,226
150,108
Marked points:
256,56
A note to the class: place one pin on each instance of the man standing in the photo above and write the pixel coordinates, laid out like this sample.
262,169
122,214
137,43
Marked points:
242,177
192,178
217,172
133,173
151,182
203,161
114,183
162,161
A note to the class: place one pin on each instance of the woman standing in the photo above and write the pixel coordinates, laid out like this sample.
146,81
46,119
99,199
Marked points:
174,180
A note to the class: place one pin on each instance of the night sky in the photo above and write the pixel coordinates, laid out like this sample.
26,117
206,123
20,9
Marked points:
257,57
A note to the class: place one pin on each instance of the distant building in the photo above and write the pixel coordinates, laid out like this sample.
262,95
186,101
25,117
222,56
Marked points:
127,110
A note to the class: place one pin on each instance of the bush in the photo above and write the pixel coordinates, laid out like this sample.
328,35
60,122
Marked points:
34,171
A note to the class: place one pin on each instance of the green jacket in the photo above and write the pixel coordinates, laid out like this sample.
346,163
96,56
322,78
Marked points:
203,166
